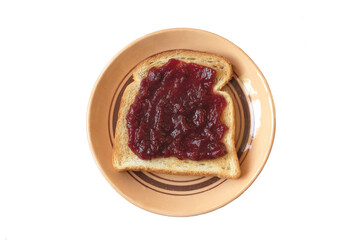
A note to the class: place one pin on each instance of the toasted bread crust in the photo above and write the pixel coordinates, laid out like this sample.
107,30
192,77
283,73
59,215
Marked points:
226,166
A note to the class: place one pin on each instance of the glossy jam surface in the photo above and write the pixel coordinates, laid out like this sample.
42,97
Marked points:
176,113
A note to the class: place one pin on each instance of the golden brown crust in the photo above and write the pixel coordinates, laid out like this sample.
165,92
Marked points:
227,166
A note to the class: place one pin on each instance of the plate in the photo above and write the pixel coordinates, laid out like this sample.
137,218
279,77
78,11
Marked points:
175,195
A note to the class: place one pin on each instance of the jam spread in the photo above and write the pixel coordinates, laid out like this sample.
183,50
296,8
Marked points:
176,113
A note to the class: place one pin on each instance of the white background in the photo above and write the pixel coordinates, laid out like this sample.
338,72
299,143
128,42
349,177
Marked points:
51,55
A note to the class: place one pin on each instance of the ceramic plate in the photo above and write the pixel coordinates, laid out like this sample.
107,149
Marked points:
174,195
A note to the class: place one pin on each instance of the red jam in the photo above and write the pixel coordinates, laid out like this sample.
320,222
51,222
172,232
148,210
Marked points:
176,113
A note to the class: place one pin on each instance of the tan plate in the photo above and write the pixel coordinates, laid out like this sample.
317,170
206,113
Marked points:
184,195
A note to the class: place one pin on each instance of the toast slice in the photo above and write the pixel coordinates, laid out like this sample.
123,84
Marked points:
226,166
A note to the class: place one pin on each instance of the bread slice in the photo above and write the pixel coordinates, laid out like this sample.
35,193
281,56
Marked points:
226,166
